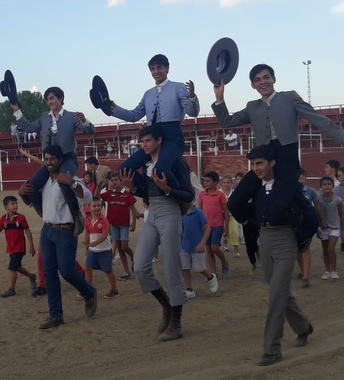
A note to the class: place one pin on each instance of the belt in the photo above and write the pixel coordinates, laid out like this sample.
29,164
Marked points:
61,226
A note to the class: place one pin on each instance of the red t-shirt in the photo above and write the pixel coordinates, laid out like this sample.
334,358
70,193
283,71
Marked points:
95,228
212,205
14,232
119,202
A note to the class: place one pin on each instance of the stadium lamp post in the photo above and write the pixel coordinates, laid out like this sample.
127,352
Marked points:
307,63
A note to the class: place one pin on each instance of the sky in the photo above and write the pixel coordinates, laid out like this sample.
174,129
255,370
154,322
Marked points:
65,43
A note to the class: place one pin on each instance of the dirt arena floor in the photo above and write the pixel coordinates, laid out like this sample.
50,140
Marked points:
222,334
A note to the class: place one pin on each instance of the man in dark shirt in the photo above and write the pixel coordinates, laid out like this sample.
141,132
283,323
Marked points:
278,251
163,227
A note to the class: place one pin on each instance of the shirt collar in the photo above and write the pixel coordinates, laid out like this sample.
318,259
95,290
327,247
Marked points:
14,215
121,191
58,115
269,98
161,85
264,183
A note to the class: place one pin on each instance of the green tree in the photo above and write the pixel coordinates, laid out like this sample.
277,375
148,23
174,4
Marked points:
32,103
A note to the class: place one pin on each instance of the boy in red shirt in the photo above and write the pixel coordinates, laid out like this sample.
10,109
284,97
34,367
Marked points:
214,204
98,246
14,225
120,203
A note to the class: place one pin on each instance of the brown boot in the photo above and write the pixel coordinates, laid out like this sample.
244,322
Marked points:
173,330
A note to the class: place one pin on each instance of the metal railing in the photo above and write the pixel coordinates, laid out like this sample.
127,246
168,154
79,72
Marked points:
2,152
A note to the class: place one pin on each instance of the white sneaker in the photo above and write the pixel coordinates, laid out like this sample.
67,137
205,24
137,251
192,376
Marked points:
334,275
190,294
117,256
253,271
213,284
326,276
237,255
225,248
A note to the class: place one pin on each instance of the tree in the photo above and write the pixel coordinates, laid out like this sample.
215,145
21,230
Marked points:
32,103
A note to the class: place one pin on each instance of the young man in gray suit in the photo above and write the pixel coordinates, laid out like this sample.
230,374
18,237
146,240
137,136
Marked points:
58,127
274,121
165,105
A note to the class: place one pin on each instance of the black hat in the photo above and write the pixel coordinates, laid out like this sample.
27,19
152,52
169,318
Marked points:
100,96
223,61
8,87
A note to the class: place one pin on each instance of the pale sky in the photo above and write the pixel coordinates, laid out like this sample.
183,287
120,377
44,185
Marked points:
65,43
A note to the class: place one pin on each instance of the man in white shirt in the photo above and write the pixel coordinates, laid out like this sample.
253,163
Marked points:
232,139
58,242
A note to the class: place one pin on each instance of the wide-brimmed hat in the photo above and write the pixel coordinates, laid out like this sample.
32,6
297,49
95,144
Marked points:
223,61
8,87
100,96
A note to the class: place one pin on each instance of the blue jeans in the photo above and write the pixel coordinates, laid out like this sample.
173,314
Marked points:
58,252
39,179
172,148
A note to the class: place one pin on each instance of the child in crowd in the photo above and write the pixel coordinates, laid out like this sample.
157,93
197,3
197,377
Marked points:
339,191
332,208
14,225
120,203
233,238
196,232
214,204
87,179
331,169
98,247
304,259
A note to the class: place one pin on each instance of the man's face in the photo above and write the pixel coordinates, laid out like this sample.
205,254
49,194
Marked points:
329,171
209,184
150,145
95,208
91,167
230,132
12,207
263,82
52,163
54,103
263,168
159,73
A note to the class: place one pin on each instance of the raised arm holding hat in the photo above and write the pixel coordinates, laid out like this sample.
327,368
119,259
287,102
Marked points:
58,127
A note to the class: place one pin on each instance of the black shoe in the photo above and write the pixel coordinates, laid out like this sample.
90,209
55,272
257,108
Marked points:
79,223
51,322
91,305
39,292
266,360
301,339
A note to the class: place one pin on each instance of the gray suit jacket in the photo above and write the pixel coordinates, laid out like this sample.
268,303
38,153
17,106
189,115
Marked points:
283,112
66,128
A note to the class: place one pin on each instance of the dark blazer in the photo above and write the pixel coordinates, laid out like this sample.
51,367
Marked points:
66,128
282,113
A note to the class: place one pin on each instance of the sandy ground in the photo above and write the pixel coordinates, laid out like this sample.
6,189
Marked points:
222,333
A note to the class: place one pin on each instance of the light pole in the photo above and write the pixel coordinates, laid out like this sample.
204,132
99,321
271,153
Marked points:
307,63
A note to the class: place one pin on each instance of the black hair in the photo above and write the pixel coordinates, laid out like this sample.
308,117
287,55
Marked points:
56,91
54,150
87,172
96,199
239,174
109,175
8,199
159,59
153,130
92,160
258,68
303,172
334,164
341,169
326,178
114,175
261,151
213,175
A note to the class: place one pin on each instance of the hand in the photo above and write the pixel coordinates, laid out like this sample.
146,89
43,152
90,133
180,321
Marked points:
225,232
15,107
318,234
323,224
23,152
32,251
160,182
132,227
127,179
65,179
101,183
26,189
112,105
79,116
200,248
191,88
219,91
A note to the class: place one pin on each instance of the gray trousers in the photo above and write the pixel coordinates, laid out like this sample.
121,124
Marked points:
278,251
163,226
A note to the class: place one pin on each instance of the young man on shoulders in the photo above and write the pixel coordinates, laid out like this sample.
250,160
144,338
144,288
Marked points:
274,121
